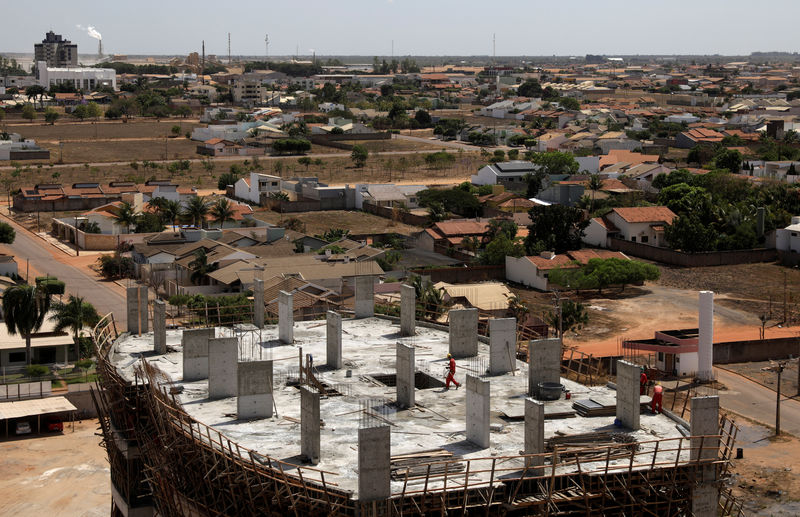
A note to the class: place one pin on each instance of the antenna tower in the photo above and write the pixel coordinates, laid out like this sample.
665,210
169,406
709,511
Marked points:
203,64
229,48
266,42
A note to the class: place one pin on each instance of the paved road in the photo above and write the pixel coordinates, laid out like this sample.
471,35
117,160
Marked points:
754,401
45,258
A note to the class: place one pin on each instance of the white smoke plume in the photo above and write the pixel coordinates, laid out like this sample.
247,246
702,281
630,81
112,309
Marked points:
91,31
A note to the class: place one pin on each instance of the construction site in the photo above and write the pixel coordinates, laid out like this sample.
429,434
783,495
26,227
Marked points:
351,414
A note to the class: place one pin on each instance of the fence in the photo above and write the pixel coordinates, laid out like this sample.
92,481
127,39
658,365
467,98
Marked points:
461,275
700,259
26,390
396,214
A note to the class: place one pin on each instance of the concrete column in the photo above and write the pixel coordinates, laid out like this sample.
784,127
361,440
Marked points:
144,328
195,353
408,310
705,422
333,350
502,345
478,411
160,326
463,332
258,303
365,297
254,394
223,356
705,338
544,363
285,317
405,375
534,431
374,463
132,299
309,424
628,404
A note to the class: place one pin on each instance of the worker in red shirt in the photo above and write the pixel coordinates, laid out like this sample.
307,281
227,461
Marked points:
643,383
451,373
657,393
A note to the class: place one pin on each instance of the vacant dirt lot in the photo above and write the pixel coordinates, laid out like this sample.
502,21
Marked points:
356,222
756,288
68,130
55,474
769,379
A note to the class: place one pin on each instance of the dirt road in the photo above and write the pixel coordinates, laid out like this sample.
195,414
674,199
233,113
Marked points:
55,474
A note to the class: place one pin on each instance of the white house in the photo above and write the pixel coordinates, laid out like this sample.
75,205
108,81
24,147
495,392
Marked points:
644,224
255,186
534,271
511,174
788,239
88,79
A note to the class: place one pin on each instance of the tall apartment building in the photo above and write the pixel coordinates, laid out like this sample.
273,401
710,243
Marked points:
56,51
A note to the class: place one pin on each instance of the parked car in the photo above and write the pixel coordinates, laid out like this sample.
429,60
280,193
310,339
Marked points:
55,424
23,428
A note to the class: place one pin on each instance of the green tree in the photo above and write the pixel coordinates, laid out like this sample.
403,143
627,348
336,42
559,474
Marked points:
195,211
573,317
81,111
222,211
28,112
200,266
423,118
228,178
93,110
555,228
169,212
74,315
594,184
534,181
730,159
116,266
500,226
530,88
688,233
125,216
32,92
556,162
499,248
359,155
568,103
50,116
24,310
305,160
7,234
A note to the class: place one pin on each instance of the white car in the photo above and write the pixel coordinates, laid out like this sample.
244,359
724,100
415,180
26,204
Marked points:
23,428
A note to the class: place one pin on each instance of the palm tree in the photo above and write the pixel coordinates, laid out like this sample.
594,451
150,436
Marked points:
24,310
170,210
196,210
125,216
594,184
74,315
200,266
222,211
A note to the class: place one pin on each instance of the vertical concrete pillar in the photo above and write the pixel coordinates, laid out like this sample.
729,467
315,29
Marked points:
143,325
258,303
132,299
463,333
365,297
285,317
223,358
333,335
309,424
544,363
534,431
254,393
405,375
478,411
502,345
628,405
160,327
408,310
374,463
704,423
195,353
705,338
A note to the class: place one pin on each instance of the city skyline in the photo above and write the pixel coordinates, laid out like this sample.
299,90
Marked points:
408,27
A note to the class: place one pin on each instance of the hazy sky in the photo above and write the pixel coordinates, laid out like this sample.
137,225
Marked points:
418,27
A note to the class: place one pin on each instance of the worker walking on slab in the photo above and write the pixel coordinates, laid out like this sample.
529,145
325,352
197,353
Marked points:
451,372
657,393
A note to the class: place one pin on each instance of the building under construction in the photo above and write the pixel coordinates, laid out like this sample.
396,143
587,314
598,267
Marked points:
350,415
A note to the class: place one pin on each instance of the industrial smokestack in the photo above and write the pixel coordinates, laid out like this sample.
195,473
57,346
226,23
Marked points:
100,49
705,341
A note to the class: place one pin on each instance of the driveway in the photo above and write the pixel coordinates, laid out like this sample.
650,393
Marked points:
754,401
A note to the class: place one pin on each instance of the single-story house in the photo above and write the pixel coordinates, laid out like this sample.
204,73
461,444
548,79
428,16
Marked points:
534,271
644,224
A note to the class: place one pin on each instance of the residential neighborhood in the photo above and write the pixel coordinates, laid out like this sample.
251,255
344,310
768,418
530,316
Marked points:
243,276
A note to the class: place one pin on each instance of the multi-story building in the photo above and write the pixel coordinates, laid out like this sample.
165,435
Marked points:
87,79
250,93
56,51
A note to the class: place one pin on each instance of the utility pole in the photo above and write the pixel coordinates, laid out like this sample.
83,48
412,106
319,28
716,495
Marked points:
203,64
777,368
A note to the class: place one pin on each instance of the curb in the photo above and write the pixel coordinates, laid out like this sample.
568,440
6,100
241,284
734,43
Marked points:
6,216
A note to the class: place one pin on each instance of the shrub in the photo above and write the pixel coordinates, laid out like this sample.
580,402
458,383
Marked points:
36,370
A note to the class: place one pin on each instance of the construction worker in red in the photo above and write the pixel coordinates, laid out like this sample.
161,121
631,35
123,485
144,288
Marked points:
643,383
657,392
451,373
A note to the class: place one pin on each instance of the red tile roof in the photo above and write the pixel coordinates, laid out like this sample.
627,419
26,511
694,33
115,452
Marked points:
645,214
